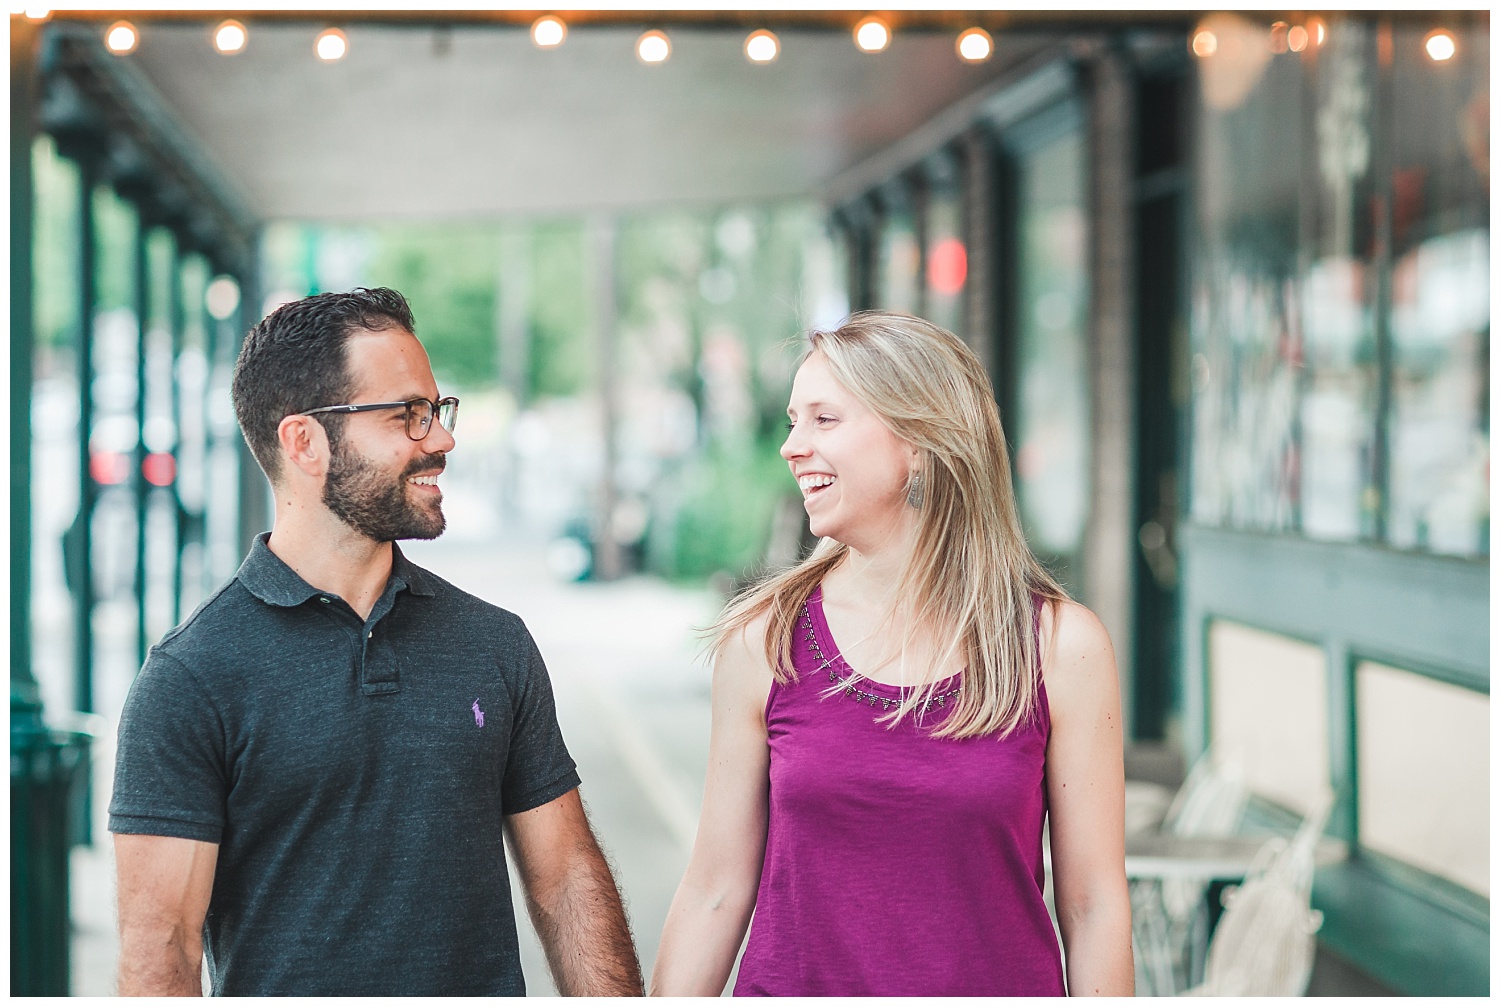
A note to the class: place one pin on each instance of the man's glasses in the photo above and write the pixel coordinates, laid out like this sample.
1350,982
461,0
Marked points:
419,413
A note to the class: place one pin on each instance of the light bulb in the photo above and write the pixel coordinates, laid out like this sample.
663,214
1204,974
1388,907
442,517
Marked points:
762,47
121,38
1440,45
872,35
230,38
548,32
653,47
975,45
331,45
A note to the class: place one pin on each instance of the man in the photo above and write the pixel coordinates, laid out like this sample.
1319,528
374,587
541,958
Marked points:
315,769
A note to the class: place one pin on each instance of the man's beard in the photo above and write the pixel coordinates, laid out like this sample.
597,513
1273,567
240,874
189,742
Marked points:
366,499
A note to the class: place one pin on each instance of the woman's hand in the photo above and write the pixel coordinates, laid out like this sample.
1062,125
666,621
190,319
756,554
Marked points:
1086,801
712,907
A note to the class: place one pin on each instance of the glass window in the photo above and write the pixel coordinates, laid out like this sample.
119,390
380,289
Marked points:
898,256
1338,393
1330,398
1438,429
1050,427
1246,336
947,258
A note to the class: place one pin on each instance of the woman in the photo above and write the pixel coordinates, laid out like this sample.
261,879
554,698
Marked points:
893,717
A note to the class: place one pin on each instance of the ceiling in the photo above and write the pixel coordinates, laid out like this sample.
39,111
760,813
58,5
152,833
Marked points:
464,119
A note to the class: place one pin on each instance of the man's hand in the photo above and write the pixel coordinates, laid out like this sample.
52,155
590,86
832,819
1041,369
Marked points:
574,903
163,885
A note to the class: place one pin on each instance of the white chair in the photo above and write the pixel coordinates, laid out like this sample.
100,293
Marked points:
1265,942
1169,916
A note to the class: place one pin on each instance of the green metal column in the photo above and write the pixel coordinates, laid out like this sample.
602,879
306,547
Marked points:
175,320
80,544
138,482
25,699
44,764
255,510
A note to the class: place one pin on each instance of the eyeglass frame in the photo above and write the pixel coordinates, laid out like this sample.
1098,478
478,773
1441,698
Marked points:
437,412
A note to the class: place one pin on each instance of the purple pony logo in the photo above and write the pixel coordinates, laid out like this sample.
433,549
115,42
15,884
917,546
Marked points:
478,715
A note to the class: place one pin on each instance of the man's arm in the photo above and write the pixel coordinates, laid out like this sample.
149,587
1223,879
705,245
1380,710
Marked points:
163,886
573,900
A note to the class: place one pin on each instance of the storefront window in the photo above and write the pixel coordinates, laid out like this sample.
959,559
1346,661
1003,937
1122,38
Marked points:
1339,390
1438,428
1245,326
947,259
898,256
1290,306
1051,425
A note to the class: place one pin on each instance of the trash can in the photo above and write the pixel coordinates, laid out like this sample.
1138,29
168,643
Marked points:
48,770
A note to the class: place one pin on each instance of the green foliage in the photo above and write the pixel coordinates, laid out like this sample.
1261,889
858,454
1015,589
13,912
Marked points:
115,225
54,245
448,273
560,315
723,516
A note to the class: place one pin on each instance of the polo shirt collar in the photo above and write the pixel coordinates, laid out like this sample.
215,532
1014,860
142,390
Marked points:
266,576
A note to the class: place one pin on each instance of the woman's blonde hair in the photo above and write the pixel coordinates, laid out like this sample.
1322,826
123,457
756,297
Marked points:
970,576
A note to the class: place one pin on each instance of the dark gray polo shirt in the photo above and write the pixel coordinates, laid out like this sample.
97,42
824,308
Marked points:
355,774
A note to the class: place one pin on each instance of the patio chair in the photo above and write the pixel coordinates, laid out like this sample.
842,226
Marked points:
1265,944
1169,916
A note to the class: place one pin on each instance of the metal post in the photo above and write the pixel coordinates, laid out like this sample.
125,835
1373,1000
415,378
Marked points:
82,533
25,700
175,320
608,561
255,510
138,476
44,764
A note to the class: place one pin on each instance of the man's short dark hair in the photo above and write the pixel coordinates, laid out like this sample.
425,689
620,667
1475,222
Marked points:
295,359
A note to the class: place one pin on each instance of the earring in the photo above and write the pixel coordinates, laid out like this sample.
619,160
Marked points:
914,493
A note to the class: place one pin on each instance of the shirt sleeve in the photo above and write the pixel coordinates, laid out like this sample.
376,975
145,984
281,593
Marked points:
539,768
170,775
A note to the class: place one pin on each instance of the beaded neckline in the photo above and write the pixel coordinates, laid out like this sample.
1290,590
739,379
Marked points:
853,691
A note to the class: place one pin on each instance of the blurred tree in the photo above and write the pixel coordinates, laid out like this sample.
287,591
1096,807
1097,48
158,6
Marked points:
447,273
560,348
115,220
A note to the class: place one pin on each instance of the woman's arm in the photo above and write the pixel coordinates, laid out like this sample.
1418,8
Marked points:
1086,802
711,910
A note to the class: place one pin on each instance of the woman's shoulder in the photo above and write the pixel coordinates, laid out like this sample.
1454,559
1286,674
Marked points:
1075,649
741,665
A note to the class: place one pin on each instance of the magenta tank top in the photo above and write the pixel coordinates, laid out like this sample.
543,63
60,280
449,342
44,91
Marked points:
897,864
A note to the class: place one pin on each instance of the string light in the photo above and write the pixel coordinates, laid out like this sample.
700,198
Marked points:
1440,45
653,47
872,34
121,38
975,45
548,32
331,45
37,14
1296,38
1318,30
230,38
1205,44
762,47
